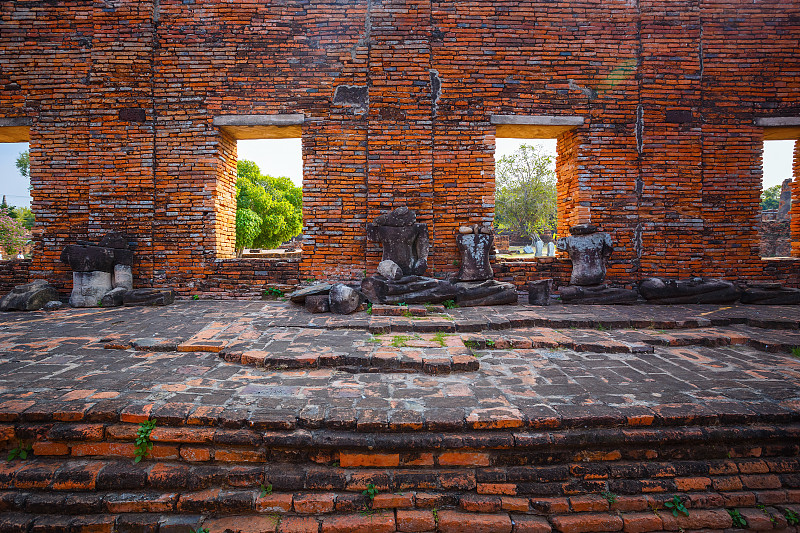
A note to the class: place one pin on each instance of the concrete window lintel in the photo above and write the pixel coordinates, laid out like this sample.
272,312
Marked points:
278,126
534,126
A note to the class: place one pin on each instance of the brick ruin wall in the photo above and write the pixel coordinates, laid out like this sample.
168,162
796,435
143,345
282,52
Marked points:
121,97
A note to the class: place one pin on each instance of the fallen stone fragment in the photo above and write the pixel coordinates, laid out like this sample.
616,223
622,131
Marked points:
29,296
114,297
489,292
149,297
343,300
768,294
54,305
317,303
693,291
539,292
299,296
598,295
390,270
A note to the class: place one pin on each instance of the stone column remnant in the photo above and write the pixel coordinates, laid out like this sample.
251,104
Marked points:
404,240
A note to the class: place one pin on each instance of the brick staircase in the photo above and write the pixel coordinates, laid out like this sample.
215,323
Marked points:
594,472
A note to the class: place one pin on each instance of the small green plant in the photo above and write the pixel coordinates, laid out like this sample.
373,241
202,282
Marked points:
439,338
764,510
399,341
375,339
22,451
273,292
436,516
738,519
143,444
201,530
472,343
610,497
369,308
456,262
449,304
796,351
265,489
370,492
601,327
792,518
489,343
99,303
406,313
195,296
676,506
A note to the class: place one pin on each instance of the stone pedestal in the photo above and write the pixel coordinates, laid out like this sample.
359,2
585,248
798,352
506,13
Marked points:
539,292
88,288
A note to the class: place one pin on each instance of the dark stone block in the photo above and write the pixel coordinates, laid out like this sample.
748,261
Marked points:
678,116
539,292
694,291
114,297
299,296
351,95
132,114
29,296
149,297
767,295
343,300
317,303
89,258
599,294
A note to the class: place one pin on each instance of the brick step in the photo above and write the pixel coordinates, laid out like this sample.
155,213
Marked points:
761,518
632,341
571,480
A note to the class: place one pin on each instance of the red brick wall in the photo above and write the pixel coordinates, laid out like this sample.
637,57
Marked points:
13,272
122,96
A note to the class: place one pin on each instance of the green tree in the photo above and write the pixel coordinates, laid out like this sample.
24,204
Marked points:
12,235
770,197
269,210
24,162
525,192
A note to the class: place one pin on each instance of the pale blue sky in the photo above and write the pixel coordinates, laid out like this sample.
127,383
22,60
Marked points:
282,157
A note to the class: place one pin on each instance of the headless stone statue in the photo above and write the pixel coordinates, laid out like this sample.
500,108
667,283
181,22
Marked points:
404,240
589,249
475,248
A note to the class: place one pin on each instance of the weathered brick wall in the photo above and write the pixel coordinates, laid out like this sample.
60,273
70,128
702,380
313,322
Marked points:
13,272
397,97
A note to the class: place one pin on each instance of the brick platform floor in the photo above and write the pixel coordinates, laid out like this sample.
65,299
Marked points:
497,367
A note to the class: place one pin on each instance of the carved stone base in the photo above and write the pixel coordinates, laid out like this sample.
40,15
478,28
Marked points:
693,291
598,295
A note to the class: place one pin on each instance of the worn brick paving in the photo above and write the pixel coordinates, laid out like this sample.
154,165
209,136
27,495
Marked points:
63,361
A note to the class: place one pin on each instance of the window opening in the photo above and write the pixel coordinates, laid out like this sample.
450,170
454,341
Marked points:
775,231
525,197
269,214
16,217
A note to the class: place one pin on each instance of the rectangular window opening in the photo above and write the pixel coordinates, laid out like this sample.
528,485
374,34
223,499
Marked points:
775,239
16,216
269,203
526,197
